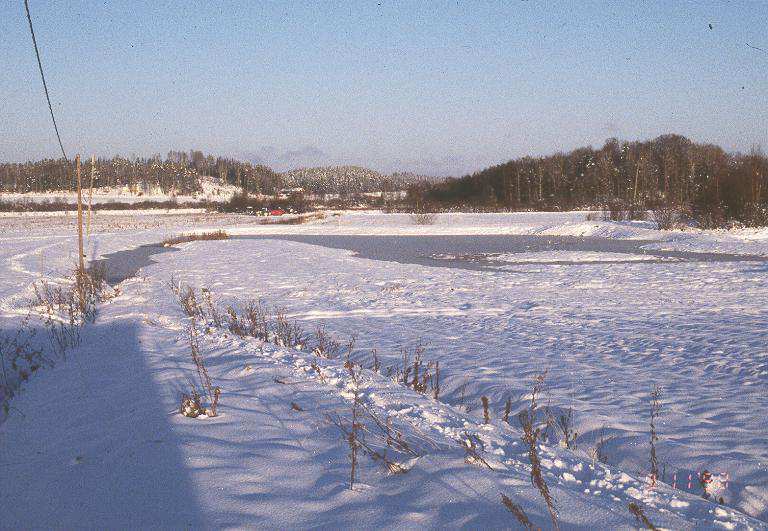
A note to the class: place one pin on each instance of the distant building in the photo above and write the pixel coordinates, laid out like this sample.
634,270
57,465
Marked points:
285,193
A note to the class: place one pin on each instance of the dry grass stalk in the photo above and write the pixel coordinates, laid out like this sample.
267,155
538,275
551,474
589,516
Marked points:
598,453
352,436
213,310
348,363
384,438
531,435
518,512
64,311
396,441
315,367
486,412
436,382
473,447
507,410
654,436
376,365
637,511
462,390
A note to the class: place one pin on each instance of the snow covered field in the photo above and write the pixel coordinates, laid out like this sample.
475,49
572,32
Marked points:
96,441
212,189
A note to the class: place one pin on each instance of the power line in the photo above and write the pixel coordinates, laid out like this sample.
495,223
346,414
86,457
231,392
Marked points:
42,75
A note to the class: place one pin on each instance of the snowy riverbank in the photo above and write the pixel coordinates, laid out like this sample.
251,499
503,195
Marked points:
97,439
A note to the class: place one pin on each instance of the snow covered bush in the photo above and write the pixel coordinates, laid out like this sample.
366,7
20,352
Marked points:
424,218
666,216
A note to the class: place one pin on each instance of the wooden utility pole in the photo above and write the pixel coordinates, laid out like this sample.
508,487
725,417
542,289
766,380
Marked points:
81,262
90,192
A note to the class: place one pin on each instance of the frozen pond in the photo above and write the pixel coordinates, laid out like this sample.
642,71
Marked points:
493,252
477,252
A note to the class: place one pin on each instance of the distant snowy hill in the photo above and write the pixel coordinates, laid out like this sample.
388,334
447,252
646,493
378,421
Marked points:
347,179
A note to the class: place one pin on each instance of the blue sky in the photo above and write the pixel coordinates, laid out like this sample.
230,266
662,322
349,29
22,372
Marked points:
431,87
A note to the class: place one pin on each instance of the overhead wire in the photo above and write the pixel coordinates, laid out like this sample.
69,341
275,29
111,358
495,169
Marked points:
42,76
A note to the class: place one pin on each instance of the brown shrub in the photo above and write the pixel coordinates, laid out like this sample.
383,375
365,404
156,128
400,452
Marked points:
202,236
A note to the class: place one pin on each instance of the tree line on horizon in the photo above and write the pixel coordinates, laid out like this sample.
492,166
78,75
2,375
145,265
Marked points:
180,173
702,181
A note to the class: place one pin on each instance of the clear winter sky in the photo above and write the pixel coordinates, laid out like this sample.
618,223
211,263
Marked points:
431,87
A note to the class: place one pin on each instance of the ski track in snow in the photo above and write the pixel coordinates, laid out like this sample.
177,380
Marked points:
603,331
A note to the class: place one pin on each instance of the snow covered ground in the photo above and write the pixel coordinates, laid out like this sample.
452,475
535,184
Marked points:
97,442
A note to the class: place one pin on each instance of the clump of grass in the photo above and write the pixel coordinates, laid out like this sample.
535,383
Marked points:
565,424
292,220
420,377
325,345
287,334
192,405
60,313
518,512
200,236
65,309
19,360
235,325
189,302
638,513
